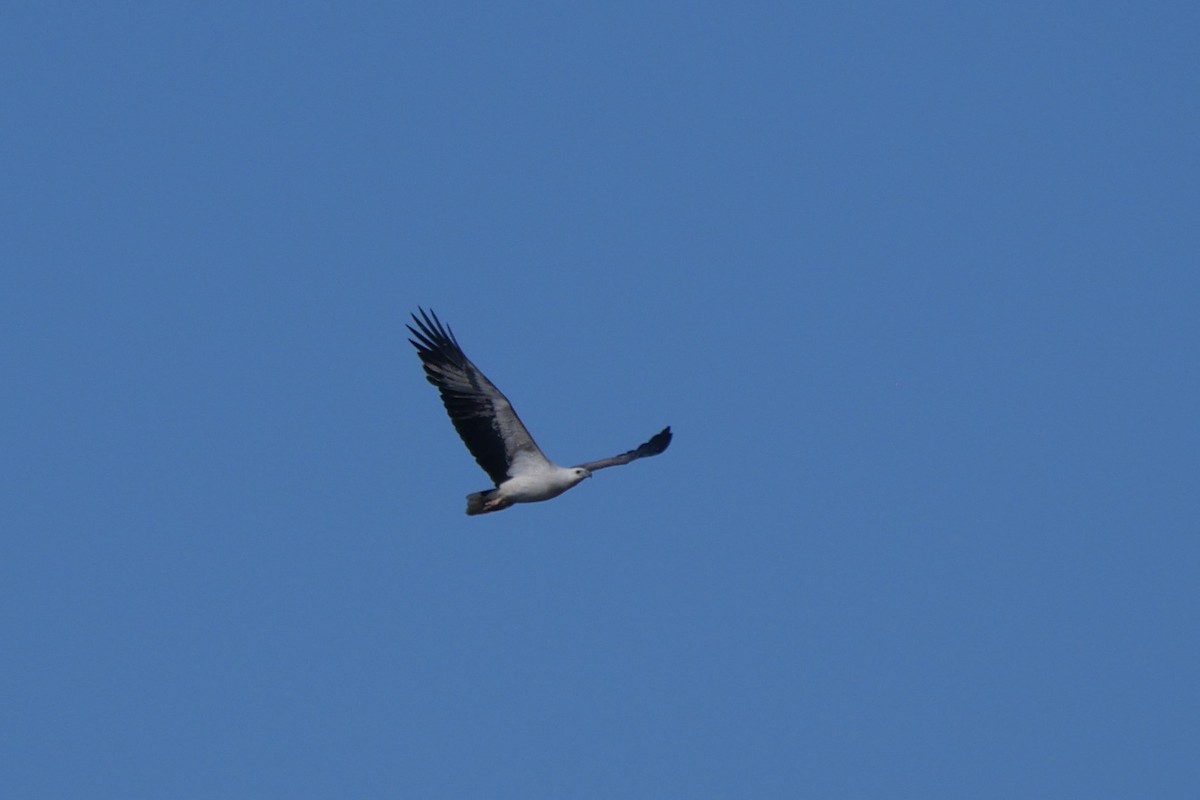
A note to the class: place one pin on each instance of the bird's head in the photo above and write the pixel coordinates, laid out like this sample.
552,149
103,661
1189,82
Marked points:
580,473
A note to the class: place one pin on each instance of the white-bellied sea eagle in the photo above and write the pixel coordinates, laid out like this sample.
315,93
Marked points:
492,430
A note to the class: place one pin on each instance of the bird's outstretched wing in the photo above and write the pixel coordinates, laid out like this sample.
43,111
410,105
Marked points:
480,412
658,442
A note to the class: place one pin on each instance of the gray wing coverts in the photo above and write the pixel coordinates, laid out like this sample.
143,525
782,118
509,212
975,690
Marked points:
480,412
658,443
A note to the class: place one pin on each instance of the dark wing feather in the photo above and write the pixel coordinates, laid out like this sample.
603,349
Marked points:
658,442
480,412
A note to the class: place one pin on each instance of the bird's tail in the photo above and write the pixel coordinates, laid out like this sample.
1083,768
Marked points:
486,501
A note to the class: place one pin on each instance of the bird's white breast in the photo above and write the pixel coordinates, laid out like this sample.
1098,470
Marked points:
529,487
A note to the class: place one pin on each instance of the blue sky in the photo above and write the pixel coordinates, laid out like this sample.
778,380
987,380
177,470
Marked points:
915,285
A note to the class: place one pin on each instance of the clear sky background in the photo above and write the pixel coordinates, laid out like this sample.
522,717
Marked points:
916,286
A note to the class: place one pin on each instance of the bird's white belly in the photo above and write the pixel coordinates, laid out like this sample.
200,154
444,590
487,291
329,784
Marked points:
532,488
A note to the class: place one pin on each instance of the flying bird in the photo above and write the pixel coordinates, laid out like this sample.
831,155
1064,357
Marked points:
492,430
